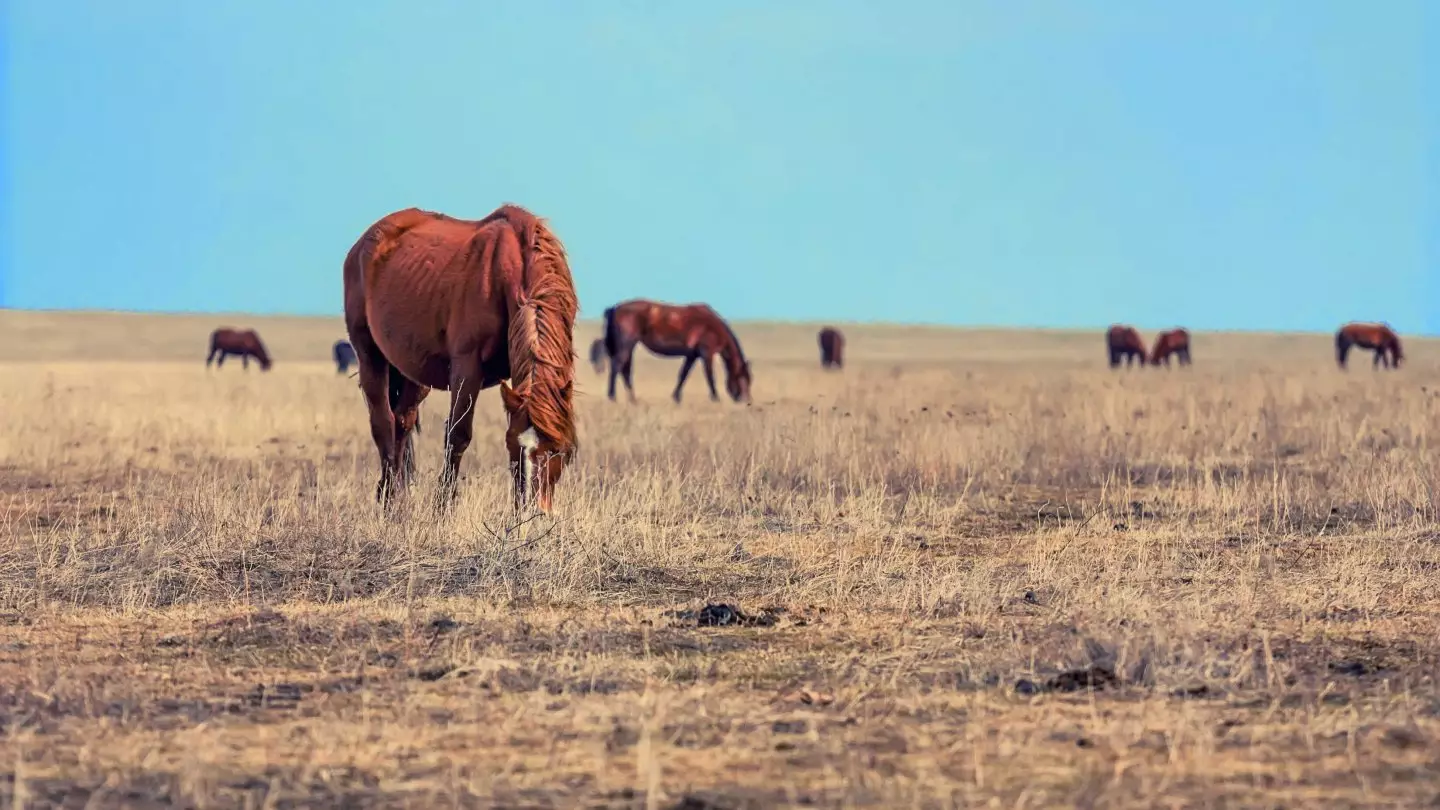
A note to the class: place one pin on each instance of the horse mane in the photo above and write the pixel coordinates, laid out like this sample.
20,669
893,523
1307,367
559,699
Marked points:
739,351
542,332
261,353
1395,343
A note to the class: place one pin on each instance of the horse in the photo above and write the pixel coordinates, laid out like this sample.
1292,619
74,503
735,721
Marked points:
1124,341
244,342
832,348
344,355
1176,342
1378,337
597,355
432,301
692,331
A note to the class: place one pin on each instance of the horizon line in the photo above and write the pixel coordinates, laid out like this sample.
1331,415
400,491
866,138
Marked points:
753,321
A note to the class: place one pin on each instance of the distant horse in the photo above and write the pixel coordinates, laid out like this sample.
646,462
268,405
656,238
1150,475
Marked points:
1176,342
597,355
832,348
1378,337
244,342
692,331
344,356
1124,341
432,301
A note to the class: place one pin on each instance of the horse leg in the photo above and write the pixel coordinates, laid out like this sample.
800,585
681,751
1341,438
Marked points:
627,367
211,356
684,372
405,399
627,372
245,361
465,380
620,365
614,372
708,363
375,385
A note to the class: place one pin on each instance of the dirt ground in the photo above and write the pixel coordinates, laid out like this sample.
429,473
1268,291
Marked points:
973,568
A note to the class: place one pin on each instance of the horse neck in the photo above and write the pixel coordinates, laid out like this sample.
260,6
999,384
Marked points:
730,351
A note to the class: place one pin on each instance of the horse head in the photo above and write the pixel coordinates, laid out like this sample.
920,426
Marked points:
737,382
537,459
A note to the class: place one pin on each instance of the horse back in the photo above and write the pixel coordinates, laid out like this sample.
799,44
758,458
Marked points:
1368,335
1124,337
429,287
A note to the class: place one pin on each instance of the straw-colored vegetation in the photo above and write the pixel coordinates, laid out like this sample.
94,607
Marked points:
985,567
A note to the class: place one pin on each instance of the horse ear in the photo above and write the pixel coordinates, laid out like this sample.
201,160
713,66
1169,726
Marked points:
511,400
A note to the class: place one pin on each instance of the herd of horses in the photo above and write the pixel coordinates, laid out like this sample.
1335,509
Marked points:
404,280
1124,344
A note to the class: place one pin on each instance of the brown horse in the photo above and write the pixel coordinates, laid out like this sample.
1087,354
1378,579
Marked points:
692,331
1124,341
1378,337
244,342
832,348
462,305
597,355
1176,342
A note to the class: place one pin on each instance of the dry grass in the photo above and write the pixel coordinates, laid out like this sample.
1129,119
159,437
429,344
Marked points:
200,605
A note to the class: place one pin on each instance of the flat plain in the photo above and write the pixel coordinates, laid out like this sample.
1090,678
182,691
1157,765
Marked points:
977,567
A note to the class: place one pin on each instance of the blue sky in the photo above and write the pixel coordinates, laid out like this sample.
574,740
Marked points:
1257,164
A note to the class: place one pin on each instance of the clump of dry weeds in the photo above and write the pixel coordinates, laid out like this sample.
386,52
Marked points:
985,572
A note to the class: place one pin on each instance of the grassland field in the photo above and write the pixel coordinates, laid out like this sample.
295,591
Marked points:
975,568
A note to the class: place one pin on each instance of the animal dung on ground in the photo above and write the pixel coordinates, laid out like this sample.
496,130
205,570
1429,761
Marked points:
1072,680
723,615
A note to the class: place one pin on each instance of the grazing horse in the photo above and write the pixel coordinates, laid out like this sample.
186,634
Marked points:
244,342
1124,341
1378,337
1176,342
344,356
432,301
692,331
832,348
597,355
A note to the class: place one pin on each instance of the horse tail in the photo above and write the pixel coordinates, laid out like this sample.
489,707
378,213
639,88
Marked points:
612,333
1342,347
